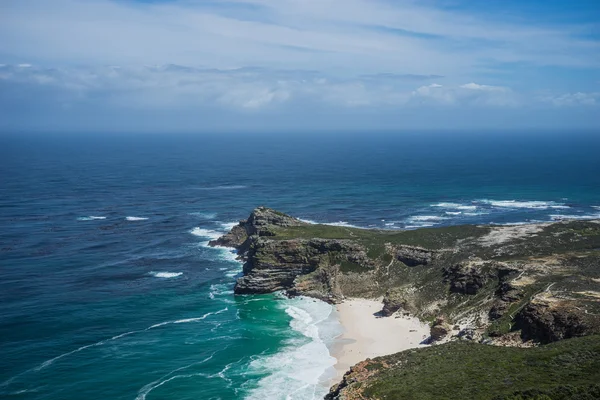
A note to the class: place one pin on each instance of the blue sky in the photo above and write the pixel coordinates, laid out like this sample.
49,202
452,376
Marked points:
247,65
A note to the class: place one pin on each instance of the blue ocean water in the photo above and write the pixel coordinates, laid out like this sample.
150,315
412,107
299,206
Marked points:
108,289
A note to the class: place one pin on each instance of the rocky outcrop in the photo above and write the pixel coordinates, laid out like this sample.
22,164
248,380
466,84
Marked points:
547,319
234,238
393,301
450,272
259,223
506,295
439,329
275,264
413,256
467,278
350,386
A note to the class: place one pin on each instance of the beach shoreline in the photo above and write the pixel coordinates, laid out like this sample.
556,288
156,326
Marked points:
368,335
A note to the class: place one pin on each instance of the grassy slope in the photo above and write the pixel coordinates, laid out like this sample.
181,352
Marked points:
466,370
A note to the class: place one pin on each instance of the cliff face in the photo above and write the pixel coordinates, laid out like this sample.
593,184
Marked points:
542,281
502,285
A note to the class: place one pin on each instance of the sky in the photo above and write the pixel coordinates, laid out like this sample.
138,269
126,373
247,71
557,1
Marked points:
295,65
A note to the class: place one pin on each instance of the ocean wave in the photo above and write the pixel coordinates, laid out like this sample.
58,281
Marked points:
90,218
455,206
204,215
535,205
206,233
424,218
122,335
143,392
220,289
221,187
561,217
299,370
339,223
165,274
418,226
136,218
228,225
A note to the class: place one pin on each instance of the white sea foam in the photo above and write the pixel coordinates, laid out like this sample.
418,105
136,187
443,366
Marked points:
421,218
228,225
204,215
418,226
206,233
455,206
136,218
303,368
220,289
90,218
561,217
454,212
596,207
535,205
339,223
221,187
166,275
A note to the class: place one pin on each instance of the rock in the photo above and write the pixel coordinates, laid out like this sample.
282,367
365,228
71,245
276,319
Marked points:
234,238
465,278
506,294
414,256
467,333
275,264
393,301
546,319
258,224
439,329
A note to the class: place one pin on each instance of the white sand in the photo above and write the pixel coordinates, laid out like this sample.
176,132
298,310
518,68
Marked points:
368,336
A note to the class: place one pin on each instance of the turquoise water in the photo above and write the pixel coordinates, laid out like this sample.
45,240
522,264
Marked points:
108,289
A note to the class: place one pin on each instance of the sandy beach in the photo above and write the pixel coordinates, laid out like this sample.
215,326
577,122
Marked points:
366,335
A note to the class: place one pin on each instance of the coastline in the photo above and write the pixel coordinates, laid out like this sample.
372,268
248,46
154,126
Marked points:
366,335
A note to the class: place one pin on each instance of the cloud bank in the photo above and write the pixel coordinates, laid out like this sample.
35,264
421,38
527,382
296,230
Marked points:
371,63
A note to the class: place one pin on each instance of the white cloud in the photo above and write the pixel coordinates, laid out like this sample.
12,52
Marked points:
488,88
470,94
574,99
172,87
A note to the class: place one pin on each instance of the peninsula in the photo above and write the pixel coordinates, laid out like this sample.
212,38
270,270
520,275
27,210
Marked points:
511,310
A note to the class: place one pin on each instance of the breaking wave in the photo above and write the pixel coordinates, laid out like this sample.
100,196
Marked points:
165,274
303,368
90,218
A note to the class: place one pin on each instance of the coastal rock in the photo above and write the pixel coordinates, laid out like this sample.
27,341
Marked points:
466,278
393,301
439,329
274,265
414,256
234,238
506,294
350,386
262,218
259,223
548,319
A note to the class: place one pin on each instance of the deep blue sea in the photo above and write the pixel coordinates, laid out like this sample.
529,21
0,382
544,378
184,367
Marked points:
107,287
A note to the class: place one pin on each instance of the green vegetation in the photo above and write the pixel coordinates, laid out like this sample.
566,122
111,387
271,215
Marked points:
569,369
431,238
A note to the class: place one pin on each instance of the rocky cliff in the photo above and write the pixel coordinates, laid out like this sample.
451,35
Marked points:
506,285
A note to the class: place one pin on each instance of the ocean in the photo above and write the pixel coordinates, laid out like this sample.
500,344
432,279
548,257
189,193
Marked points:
108,289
